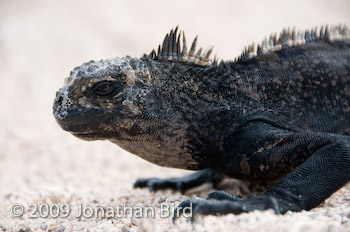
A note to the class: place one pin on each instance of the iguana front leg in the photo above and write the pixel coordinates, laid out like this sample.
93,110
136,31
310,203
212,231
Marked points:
182,183
325,170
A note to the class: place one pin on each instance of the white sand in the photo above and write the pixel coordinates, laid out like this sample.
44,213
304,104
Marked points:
41,41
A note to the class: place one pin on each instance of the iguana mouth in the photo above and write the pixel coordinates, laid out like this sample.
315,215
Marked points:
81,121
88,136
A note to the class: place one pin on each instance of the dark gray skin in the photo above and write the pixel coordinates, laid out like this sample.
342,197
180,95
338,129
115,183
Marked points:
281,116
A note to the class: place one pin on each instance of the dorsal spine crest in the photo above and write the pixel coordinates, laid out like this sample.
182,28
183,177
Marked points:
171,48
292,37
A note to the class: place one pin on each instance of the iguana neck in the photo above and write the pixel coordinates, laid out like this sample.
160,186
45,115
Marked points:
177,87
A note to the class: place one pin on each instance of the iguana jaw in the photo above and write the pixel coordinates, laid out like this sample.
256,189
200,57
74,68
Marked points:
87,124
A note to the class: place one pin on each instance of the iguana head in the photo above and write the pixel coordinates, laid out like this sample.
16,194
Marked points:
102,98
99,96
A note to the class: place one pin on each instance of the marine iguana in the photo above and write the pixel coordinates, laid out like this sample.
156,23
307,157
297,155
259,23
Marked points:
279,113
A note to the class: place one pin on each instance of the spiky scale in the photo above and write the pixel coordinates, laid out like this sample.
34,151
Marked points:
184,54
159,55
178,47
165,47
206,58
170,45
152,55
326,33
321,35
259,51
174,42
198,56
271,43
193,49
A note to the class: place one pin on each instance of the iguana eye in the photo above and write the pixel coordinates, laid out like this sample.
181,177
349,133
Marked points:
104,88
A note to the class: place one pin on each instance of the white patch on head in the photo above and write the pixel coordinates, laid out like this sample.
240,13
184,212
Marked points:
85,102
103,68
65,105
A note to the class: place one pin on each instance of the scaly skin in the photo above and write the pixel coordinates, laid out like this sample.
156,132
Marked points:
281,115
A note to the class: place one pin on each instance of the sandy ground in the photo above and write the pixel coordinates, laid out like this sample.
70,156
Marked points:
41,41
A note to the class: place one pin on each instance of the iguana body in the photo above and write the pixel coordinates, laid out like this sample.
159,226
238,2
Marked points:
280,113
